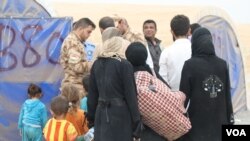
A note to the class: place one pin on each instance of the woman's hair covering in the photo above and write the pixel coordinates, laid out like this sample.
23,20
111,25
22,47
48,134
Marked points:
113,48
110,32
136,54
202,42
194,26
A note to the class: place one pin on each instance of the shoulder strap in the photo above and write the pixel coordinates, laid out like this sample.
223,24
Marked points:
187,105
153,71
186,112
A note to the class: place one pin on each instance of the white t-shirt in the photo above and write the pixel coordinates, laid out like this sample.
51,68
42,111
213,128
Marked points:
172,60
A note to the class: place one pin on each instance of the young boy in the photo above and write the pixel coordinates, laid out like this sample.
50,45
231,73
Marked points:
58,128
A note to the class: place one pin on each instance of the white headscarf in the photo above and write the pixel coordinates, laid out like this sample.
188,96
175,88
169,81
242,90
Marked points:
114,48
110,32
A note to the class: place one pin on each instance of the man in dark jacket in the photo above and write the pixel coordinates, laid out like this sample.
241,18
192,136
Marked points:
149,31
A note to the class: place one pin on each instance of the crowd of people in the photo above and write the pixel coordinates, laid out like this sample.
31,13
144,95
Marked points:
98,99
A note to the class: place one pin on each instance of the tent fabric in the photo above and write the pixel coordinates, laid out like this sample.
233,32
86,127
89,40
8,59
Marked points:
227,48
30,50
22,8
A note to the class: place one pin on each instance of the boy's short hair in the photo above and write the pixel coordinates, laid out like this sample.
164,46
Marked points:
59,105
180,25
85,82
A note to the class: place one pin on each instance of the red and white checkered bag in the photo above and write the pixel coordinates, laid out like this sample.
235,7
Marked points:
161,109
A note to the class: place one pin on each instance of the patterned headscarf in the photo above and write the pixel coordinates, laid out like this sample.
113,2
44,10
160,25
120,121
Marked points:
110,32
113,48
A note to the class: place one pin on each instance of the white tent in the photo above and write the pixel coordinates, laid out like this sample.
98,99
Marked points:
19,60
227,47
22,8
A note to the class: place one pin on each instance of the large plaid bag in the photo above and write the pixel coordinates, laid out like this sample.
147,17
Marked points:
161,109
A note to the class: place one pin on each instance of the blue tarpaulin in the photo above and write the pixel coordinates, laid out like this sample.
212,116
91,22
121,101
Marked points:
29,52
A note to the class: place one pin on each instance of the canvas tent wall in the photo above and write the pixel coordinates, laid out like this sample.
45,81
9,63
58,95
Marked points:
22,8
30,42
227,47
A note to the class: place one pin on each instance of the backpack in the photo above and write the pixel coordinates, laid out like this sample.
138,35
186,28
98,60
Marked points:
161,109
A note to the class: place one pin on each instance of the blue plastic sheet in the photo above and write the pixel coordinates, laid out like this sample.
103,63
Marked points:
29,52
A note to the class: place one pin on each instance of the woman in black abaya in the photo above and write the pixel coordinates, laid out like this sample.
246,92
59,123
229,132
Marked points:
205,81
136,54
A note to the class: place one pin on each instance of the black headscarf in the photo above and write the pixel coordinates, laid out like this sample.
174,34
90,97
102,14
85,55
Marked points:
137,54
202,43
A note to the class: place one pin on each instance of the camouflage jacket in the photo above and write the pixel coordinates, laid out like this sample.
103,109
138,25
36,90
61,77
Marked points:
73,60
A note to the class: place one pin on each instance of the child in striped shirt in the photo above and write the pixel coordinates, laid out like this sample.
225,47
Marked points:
58,128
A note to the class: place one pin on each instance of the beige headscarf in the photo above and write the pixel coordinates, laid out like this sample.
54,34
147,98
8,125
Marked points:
114,48
110,32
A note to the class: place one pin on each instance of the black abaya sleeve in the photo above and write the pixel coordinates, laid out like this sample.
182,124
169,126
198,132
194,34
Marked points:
131,95
92,98
185,84
230,115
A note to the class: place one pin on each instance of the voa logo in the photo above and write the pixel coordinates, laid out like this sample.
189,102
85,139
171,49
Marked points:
236,132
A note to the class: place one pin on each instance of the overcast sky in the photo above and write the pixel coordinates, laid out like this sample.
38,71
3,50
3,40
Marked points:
237,9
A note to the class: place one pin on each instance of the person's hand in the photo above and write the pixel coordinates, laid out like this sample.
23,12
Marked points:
137,130
122,26
120,23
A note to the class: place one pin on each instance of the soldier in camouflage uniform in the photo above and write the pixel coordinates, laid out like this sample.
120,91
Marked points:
127,34
73,57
